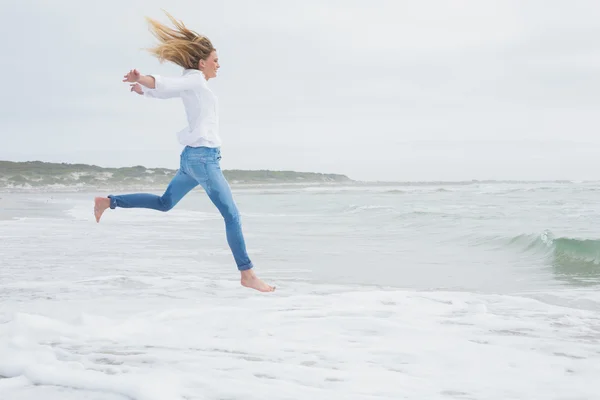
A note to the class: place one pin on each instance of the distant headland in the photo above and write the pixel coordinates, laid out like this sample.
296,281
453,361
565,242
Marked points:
46,174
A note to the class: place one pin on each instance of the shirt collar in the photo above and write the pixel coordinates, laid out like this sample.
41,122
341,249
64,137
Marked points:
188,71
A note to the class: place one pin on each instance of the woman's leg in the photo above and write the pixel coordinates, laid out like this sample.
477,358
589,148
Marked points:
179,186
202,163
207,171
219,192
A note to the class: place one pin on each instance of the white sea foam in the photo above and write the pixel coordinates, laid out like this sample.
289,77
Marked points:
319,342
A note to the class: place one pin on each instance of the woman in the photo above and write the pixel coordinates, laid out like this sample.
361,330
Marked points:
200,158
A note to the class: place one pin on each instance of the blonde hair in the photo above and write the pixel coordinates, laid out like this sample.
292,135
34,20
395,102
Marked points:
181,46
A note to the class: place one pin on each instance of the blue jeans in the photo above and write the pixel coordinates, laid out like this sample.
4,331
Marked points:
198,166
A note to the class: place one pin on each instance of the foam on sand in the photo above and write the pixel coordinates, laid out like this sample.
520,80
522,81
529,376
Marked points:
334,343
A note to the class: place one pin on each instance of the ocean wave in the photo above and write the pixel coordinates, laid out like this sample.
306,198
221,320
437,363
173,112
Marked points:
560,248
395,213
355,209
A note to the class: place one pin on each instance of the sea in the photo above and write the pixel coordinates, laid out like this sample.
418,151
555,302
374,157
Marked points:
415,290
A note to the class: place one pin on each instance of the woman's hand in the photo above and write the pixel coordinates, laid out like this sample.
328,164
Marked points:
132,76
136,87
139,80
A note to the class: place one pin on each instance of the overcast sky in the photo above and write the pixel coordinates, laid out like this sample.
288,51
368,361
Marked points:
377,90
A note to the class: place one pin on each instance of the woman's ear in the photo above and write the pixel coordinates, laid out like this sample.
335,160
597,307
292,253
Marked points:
201,65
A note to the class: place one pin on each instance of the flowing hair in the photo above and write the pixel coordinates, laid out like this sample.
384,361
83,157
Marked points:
181,46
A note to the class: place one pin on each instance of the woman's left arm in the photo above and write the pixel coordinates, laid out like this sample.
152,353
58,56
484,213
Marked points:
160,86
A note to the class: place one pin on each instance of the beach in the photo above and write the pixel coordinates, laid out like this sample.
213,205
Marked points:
431,291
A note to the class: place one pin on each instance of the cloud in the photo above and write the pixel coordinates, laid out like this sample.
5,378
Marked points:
313,85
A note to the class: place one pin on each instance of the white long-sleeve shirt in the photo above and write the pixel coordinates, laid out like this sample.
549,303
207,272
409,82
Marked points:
201,106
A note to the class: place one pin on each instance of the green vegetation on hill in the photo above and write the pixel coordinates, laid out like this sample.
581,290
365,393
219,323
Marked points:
38,173
281,176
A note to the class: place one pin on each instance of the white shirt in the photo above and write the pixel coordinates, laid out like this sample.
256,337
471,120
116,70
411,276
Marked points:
201,106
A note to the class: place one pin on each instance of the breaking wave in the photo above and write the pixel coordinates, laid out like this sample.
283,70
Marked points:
561,248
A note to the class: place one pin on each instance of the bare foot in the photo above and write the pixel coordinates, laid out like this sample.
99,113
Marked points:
250,280
100,205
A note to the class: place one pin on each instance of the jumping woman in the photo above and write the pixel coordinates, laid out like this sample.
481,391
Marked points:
201,155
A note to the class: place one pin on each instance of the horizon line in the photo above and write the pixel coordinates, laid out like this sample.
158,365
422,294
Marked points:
375,181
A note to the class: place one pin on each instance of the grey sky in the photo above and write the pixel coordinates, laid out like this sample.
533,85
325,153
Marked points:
389,90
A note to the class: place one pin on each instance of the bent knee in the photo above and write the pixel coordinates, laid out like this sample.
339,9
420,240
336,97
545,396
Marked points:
166,203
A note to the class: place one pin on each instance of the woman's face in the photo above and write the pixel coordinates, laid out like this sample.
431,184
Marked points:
209,66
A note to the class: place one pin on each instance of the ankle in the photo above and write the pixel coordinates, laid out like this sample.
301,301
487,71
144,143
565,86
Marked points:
247,274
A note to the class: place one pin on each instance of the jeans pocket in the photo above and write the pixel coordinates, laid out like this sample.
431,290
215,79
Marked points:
198,170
